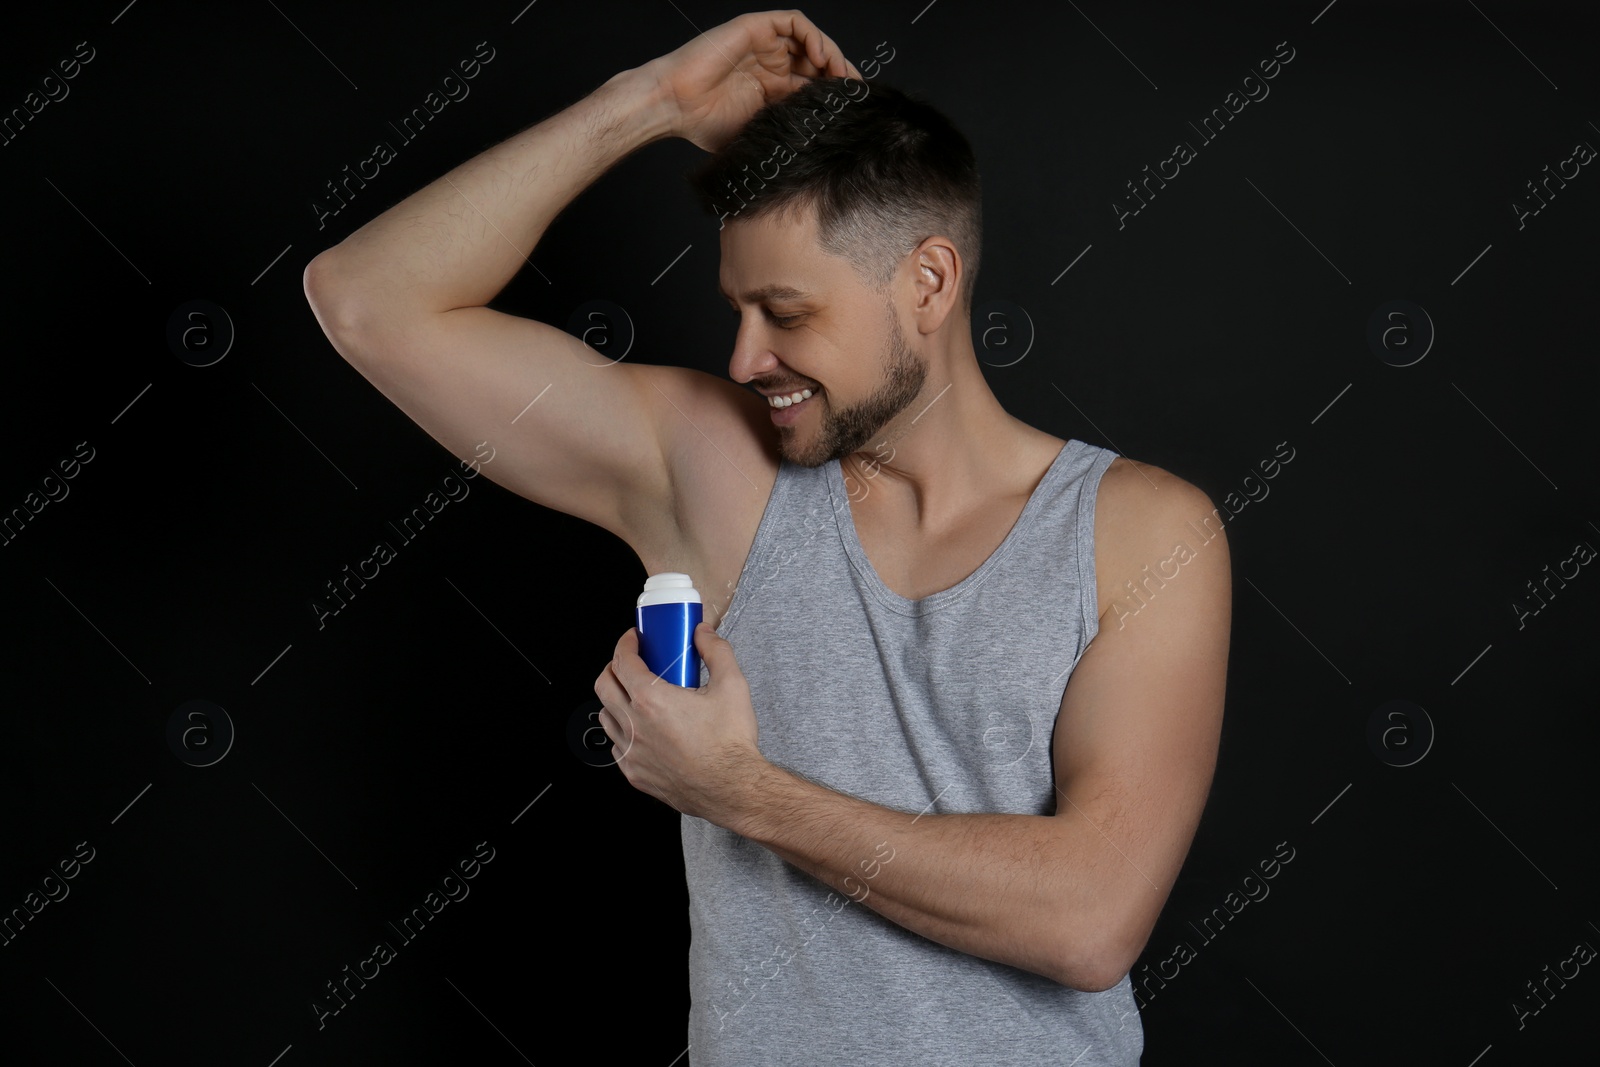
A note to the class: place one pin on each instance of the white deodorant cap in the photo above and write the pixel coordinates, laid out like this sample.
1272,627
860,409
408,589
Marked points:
668,587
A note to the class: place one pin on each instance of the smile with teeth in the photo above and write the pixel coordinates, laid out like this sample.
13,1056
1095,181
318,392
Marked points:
791,399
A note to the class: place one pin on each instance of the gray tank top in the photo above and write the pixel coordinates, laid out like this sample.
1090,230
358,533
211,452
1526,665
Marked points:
945,704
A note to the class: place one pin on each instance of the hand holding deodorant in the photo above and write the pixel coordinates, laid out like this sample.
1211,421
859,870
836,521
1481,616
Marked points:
668,611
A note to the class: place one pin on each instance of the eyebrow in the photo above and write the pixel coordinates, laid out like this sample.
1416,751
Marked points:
769,293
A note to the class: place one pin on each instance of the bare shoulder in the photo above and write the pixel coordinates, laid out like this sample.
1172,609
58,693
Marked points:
1149,521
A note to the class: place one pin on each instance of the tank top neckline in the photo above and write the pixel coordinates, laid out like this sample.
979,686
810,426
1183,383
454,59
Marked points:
851,540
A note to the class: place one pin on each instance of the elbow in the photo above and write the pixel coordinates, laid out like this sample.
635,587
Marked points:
320,282
326,290
1097,982
1088,977
1096,963
318,278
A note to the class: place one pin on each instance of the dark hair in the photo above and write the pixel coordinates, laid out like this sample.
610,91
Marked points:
881,169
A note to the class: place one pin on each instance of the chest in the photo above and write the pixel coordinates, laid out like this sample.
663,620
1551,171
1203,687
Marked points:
918,563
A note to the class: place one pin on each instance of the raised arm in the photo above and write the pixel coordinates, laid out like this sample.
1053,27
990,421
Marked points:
404,298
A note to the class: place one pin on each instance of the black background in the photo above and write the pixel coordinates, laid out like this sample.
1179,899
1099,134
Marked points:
1228,316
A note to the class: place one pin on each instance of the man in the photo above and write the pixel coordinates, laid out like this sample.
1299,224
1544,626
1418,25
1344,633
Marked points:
955,735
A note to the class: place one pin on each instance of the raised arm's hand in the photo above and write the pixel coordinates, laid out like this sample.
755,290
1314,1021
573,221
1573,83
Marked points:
716,82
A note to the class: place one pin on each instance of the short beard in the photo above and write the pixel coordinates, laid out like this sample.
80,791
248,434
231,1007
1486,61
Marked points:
850,429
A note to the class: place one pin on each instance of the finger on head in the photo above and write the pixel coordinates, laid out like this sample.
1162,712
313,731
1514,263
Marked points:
833,60
816,42
800,63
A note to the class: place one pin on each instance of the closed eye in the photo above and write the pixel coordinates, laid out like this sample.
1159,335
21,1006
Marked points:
781,321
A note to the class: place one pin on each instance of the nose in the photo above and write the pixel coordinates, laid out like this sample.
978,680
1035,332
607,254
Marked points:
751,357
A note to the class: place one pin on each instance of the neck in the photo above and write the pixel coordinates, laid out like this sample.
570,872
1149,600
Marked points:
951,451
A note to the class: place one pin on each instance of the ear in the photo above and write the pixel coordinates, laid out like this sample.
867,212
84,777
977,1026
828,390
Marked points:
937,282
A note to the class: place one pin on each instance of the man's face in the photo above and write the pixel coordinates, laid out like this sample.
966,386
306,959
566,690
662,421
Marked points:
807,321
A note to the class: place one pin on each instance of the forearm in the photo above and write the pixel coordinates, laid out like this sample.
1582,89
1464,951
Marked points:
1046,893
457,241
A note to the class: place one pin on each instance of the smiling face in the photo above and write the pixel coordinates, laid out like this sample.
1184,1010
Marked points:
809,322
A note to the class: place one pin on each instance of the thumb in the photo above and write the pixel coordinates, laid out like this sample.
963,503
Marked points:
714,650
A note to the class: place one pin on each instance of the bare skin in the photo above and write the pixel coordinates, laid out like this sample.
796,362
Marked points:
680,464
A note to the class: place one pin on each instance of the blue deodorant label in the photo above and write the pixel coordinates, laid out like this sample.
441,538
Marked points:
668,611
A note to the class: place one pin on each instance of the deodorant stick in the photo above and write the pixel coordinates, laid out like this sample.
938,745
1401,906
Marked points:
668,611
